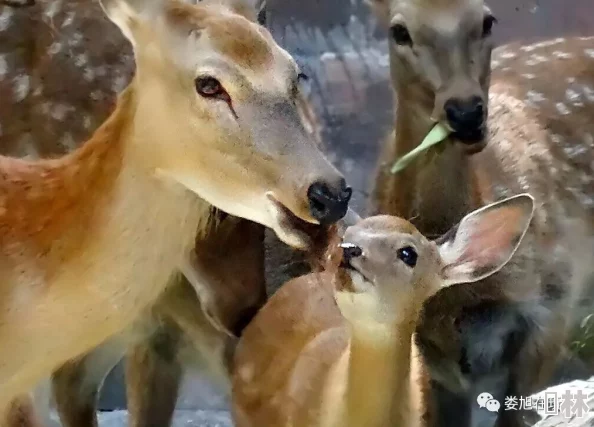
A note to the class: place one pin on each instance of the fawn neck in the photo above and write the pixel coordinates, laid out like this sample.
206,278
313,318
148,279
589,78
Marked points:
378,384
435,191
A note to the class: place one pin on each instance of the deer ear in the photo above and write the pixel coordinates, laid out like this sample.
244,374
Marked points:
254,10
127,14
485,240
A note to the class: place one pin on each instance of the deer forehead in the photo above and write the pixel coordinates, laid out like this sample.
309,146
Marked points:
224,40
438,17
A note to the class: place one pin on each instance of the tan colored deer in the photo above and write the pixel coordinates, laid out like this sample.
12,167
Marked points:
328,351
90,239
529,126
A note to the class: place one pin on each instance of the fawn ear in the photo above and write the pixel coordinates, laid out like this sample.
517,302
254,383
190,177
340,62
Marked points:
485,240
127,14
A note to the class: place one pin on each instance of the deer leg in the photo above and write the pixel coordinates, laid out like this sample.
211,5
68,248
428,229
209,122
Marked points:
76,384
153,377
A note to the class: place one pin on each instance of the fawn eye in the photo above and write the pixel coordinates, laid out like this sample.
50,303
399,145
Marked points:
408,256
302,77
401,35
209,87
488,23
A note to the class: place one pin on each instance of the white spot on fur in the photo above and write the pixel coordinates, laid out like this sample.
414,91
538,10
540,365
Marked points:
589,92
87,122
69,19
495,64
5,18
54,48
589,52
59,111
89,74
246,372
68,142
570,80
53,8
536,59
562,108
75,39
586,38
574,151
562,55
507,55
534,96
96,95
119,84
21,87
556,138
3,66
546,43
573,96
81,60
589,140
529,76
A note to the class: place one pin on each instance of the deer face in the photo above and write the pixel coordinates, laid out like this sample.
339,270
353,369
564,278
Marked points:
217,101
444,48
388,258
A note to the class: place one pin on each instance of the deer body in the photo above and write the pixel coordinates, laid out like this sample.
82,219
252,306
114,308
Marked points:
91,239
507,127
59,310
318,356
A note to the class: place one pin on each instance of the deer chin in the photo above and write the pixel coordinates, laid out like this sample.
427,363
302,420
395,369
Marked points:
472,142
291,229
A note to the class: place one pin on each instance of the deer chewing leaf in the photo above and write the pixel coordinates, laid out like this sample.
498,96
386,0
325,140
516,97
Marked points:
437,134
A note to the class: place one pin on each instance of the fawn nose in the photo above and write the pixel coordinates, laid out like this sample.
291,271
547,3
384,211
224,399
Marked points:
328,204
466,117
350,251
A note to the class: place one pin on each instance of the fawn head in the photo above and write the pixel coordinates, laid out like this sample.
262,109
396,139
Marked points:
443,48
387,257
216,108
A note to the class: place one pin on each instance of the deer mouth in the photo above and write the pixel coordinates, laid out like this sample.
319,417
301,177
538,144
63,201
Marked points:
290,228
473,140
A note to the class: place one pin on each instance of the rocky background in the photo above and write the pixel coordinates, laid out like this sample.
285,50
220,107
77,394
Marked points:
62,64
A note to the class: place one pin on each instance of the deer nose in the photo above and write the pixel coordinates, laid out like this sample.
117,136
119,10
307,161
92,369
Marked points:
328,204
350,251
465,116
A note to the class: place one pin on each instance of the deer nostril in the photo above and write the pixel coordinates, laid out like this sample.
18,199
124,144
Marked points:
328,206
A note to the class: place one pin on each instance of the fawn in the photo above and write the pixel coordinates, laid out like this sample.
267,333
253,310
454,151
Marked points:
526,126
129,205
334,348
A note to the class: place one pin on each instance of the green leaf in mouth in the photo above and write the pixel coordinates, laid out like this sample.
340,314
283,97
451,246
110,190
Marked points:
437,134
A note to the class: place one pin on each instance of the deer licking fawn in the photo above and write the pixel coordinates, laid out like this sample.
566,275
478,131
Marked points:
335,349
90,238
528,126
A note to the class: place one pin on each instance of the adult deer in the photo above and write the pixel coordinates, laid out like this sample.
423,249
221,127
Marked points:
528,126
94,235
333,350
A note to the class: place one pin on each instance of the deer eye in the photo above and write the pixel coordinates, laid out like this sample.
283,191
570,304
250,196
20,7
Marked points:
209,87
408,256
401,35
488,22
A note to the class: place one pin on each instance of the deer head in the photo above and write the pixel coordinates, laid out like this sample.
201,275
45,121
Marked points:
442,50
391,260
216,111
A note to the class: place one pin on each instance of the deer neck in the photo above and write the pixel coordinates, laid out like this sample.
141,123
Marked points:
378,385
435,191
